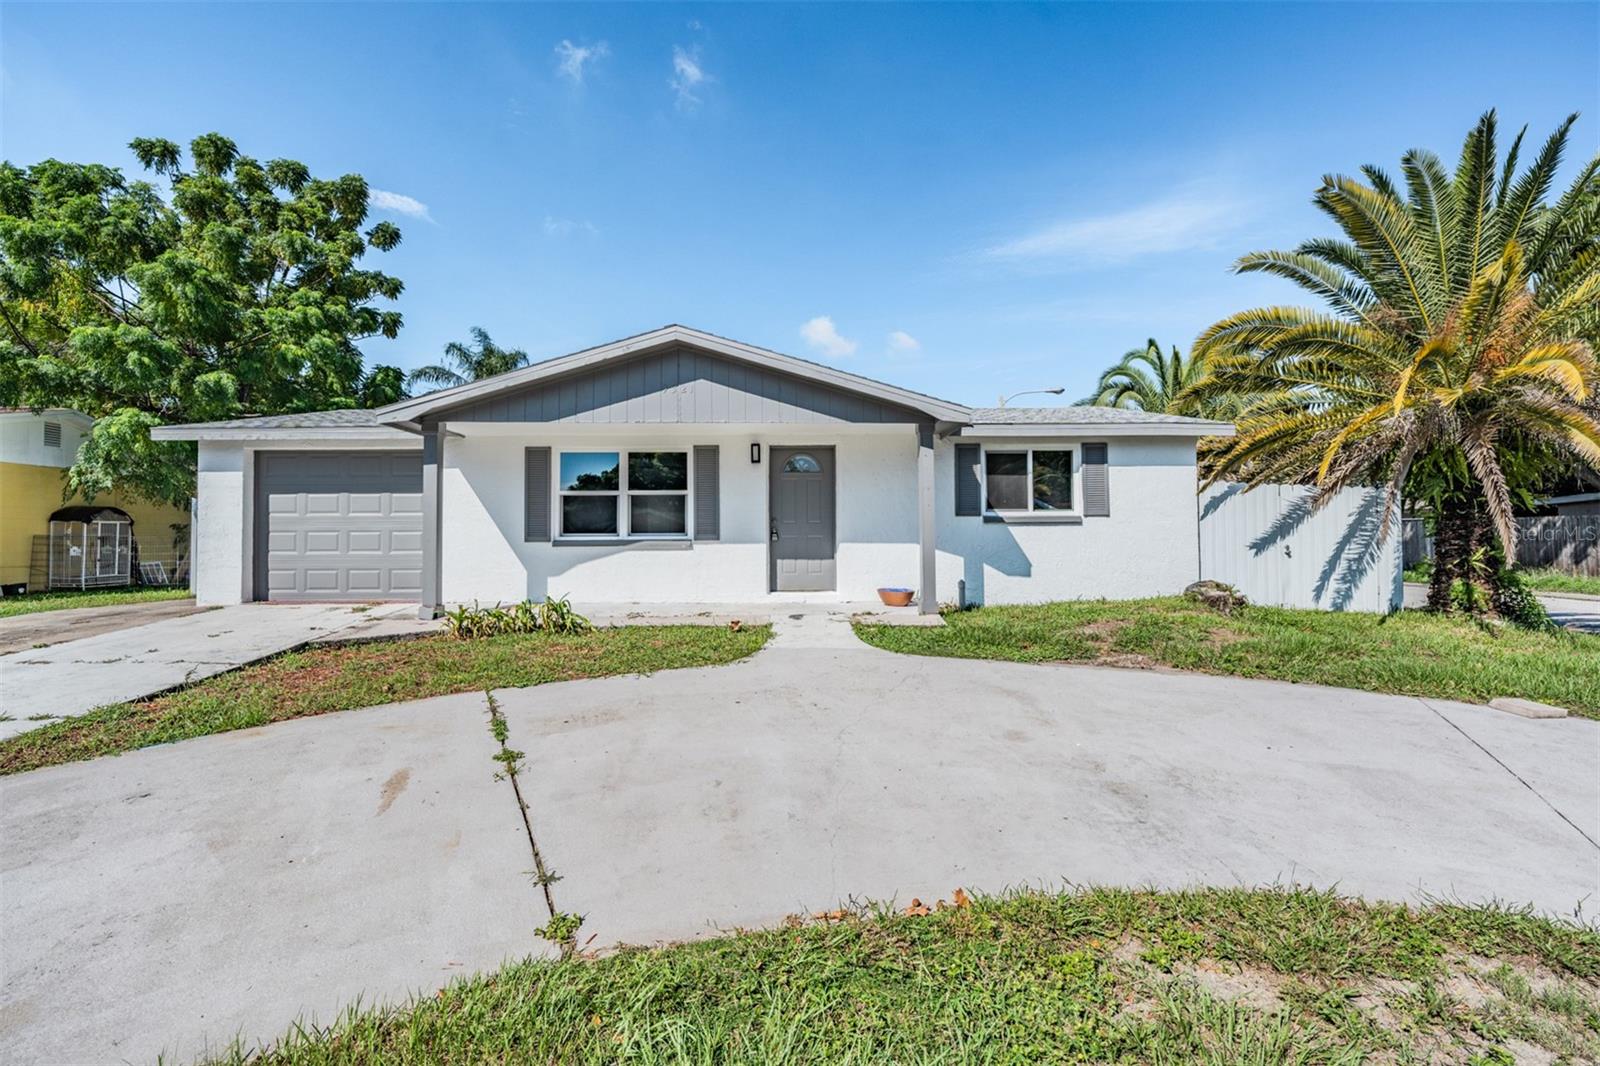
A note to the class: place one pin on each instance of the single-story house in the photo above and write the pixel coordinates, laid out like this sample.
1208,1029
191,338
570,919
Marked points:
678,466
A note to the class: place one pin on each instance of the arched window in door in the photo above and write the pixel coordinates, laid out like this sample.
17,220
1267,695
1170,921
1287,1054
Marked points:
801,463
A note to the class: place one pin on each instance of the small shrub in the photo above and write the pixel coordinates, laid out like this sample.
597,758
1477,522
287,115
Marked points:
555,616
562,928
1514,601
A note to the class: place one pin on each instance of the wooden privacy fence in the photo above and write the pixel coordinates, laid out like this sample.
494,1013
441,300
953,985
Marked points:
1569,543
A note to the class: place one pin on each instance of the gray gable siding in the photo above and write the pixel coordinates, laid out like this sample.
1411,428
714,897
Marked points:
680,385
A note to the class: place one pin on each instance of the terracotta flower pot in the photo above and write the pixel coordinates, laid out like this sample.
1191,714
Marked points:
895,597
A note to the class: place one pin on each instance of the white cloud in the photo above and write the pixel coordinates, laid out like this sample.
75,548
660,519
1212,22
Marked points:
687,75
822,335
566,227
903,343
1181,222
572,58
383,200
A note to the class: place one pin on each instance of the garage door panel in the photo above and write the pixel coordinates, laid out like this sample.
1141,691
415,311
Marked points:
337,526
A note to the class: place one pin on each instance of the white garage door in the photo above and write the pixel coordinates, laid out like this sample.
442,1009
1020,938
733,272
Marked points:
338,525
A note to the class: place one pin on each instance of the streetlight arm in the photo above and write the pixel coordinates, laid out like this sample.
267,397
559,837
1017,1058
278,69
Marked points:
1030,392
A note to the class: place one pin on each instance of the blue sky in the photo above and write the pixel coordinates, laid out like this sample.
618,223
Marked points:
960,199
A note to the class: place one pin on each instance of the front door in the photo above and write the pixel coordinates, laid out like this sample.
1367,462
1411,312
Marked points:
802,495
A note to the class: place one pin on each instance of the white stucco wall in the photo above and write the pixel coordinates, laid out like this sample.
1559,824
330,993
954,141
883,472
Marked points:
1147,546
486,559
22,437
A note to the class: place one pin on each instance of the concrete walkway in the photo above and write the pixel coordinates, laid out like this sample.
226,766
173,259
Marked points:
186,894
136,661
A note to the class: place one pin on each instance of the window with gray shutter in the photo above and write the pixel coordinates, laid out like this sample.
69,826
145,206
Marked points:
1096,481
535,494
52,434
707,493
969,483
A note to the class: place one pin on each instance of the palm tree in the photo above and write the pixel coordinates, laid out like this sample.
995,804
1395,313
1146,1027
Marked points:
1455,355
484,359
1146,379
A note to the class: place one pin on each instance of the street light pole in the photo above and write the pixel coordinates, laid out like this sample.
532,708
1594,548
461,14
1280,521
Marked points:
1031,392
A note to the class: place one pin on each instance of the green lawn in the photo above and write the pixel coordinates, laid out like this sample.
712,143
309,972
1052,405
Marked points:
1412,652
1559,581
1213,976
1540,580
10,606
321,680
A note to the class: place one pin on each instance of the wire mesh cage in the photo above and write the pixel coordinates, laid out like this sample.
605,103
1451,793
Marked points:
89,547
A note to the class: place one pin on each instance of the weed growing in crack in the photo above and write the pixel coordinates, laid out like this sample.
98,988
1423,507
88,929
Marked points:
562,928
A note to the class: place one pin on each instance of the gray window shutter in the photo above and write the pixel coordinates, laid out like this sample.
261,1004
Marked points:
969,480
707,493
1096,482
535,494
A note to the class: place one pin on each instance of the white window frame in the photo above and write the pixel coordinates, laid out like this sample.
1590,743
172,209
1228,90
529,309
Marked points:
622,492
1073,450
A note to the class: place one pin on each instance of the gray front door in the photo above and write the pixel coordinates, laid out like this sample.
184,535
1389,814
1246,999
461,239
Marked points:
338,525
802,500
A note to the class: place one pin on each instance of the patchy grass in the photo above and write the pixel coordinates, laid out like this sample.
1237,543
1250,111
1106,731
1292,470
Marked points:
321,680
1560,581
1538,579
1412,652
1214,976
33,602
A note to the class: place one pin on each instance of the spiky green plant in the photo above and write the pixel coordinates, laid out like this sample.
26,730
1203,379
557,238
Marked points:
1457,342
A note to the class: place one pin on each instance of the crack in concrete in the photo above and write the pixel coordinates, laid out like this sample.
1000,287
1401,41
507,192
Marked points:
510,760
1524,781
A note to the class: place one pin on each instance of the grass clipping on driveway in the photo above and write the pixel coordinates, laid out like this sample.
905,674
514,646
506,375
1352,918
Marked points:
320,680
1412,653
1216,976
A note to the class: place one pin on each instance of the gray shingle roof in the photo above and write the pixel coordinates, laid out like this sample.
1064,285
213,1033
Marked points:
1103,416
303,420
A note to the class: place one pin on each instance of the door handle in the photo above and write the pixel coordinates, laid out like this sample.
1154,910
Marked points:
774,532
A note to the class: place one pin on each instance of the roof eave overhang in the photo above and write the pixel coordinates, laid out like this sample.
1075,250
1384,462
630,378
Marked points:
201,432
1192,430
437,405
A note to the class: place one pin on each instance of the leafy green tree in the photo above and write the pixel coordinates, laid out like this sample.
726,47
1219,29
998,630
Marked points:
1146,379
1455,357
238,290
463,363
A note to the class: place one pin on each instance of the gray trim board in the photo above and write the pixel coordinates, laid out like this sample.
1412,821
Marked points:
430,602
927,589
679,544
1034,519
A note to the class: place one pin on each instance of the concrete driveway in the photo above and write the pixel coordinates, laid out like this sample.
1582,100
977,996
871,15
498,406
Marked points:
145,657
226,885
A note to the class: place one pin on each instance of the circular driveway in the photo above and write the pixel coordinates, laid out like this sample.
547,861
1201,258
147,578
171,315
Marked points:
184,894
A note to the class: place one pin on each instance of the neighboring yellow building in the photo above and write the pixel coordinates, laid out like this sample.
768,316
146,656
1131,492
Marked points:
35,451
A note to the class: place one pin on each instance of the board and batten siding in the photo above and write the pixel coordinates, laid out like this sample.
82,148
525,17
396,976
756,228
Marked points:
1272,546
681,385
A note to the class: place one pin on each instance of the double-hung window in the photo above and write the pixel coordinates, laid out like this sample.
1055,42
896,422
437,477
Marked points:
1033,479
624,493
